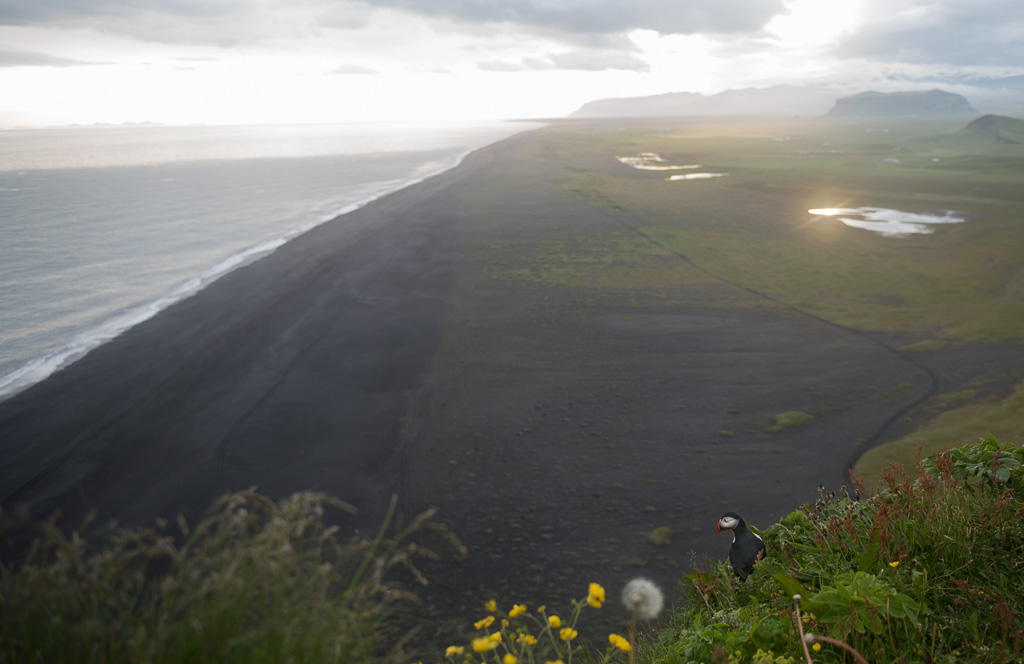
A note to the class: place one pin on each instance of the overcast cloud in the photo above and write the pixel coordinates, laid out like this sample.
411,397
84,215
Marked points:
598,16
952,32
500,57
601,16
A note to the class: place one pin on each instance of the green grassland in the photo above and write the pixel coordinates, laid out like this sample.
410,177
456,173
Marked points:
752,227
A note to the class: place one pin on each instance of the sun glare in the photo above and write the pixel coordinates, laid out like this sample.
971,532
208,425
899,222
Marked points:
812,22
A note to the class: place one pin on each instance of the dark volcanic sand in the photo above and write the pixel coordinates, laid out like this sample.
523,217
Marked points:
553,425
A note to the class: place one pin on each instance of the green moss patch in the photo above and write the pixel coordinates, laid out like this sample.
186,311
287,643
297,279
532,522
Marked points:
924,346
790,420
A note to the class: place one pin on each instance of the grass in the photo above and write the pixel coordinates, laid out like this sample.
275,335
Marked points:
954,422
928,569
752,227
255,581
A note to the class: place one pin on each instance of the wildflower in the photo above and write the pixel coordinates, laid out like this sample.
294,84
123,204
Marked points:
491,605
894,563
452,651
555,621
568,633
528,639
509,658
496,637
483,644
596,595
816,647
619,642
517,609
643,597
486,622
557,661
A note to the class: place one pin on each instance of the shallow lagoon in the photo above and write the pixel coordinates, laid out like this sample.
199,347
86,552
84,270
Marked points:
652,161
695,176
892,223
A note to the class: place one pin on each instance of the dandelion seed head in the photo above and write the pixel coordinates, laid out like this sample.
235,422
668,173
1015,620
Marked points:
643,597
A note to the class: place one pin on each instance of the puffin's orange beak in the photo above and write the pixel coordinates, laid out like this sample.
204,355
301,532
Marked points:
718,527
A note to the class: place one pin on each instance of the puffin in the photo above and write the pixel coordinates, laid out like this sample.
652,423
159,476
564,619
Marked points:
747,547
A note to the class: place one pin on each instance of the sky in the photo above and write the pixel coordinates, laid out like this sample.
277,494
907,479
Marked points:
311,61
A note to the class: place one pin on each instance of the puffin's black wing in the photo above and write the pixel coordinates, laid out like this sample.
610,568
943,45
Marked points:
745,550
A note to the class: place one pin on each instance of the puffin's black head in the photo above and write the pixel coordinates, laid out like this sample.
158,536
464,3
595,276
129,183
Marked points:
730,521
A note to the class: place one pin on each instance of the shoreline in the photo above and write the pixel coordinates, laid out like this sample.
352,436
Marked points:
37,369
149,423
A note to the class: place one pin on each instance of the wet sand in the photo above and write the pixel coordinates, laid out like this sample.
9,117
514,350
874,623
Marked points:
399,349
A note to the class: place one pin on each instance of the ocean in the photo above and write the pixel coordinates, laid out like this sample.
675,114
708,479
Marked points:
103,227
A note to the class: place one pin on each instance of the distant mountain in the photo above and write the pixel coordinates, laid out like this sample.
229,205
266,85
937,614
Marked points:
992,129
888,104
780,100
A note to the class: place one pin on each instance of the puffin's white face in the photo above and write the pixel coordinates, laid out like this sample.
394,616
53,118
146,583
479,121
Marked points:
728,523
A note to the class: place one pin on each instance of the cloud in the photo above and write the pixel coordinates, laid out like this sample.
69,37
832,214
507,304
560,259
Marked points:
603,16
32,59
579,60
50,11
169,20
346,70
953,32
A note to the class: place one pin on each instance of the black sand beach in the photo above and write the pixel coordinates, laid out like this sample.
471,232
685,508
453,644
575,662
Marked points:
403,349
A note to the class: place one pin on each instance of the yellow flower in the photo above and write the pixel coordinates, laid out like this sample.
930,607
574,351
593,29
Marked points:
483,644
557,661
555,621
528,639
486,622
496,637
509,658
452,651
894,563
517,609
596,596
816,647
619,642
491,605
568,633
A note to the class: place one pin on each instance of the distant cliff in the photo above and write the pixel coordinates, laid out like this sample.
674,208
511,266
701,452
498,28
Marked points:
780,100
988,132
888,104
998,128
